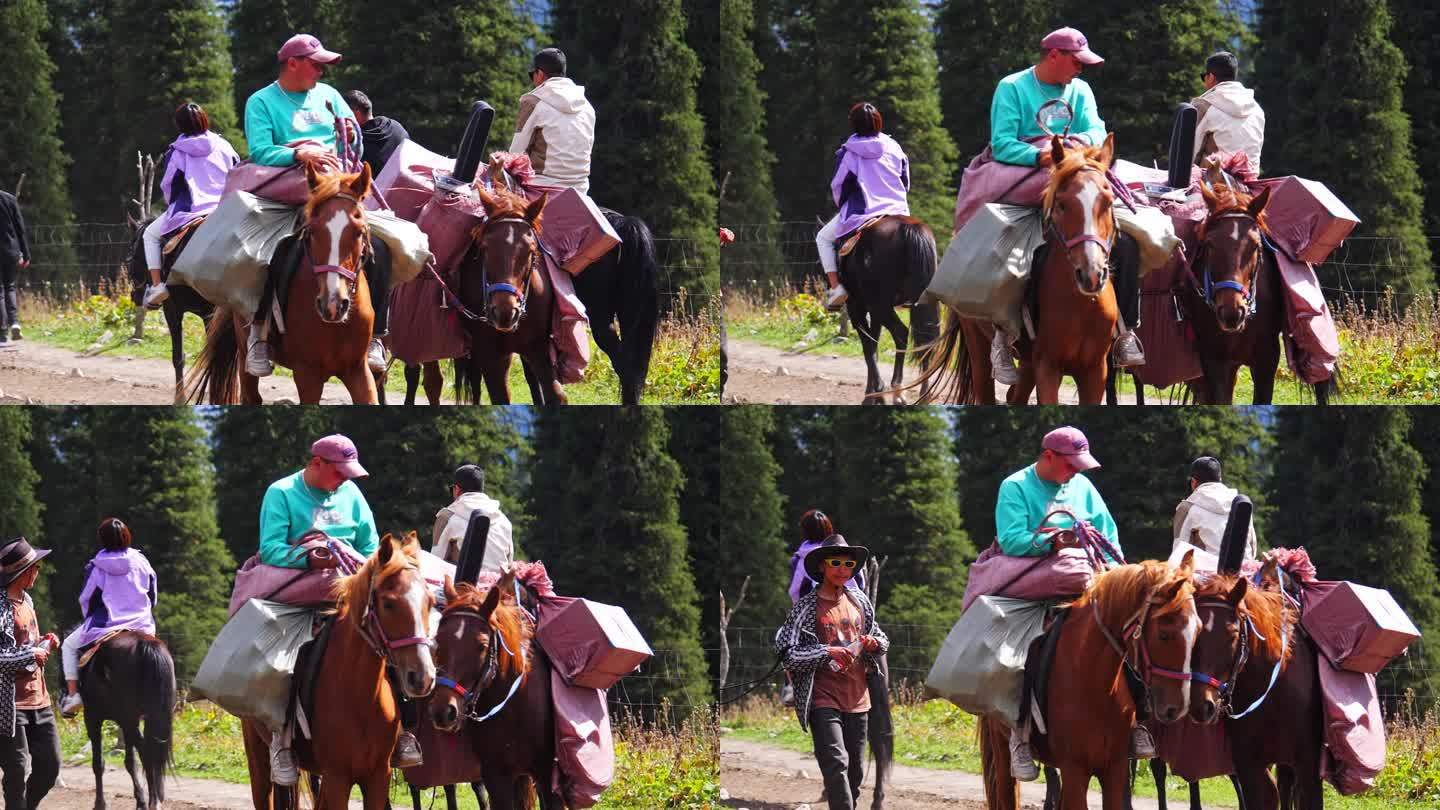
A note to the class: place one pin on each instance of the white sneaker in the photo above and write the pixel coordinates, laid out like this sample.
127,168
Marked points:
283,770
1022,761
155,295
70,705
258,362
1002,360
836,298
15,331
375,356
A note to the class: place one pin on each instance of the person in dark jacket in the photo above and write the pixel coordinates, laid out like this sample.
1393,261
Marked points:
14,257
381,136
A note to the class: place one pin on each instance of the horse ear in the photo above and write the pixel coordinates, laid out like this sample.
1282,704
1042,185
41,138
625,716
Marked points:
1237,593
1270,572
1187,566
486,198
1057,150
386,549
361,185
1106,155
1258,202
450,593
311,177
534,210
1211,201
492,601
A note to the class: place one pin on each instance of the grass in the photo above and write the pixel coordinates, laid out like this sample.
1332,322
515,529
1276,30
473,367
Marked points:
656,765
684,368
1389,355
935,734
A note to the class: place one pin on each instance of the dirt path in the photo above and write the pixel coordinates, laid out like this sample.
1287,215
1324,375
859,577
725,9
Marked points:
181,793
761,374
763,777
36,373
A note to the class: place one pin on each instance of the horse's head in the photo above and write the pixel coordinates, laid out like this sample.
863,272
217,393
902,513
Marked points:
1078,210
481,652
509,254
1230,252
392,603
336,238
1220,648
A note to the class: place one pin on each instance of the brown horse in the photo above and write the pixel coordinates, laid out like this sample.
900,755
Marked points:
382,616
1089,710
508,301
1073,293
130,678
1235,301
494,686
328,314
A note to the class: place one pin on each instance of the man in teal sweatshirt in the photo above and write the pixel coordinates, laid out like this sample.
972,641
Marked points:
1053,482
1019,97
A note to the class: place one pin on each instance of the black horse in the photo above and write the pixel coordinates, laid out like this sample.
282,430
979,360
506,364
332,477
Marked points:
183,299
890,266
132,677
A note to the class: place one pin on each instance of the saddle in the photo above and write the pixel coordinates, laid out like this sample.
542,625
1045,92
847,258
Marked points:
175,240
88,652
307,673
850,240
1039,662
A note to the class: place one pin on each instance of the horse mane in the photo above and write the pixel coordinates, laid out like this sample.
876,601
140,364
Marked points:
506,619
327,187
1230,200
1076,161
352,592
1123,590
1267,609
501,203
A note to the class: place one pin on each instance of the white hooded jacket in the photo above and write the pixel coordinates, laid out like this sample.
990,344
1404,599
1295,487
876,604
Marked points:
556,128
1206,511
1229,112
451,522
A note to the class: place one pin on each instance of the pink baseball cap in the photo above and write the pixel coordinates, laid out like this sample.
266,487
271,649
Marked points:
341,452
1068,39
1072,444
305,46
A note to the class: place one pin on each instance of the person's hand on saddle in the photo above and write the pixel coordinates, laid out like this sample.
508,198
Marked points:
1046,160
317,157
1064,538
318,558
841,656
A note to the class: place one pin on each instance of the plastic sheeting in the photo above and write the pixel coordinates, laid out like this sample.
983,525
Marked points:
229,255
987,265
248,668
981,665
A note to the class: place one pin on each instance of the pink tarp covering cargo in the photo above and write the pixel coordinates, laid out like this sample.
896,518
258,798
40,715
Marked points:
1354,730
583,744
987,181
1065,573
408,179
1171,356
291,586
575,230
422,327
591,644
282,184
450,759
1358,628
448,220
1306,219
1194,751
1314,344
569,338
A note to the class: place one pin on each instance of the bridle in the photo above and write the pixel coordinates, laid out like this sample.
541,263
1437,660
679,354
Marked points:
522,294
470,695
1052,230
1134,652
374,633
1206,286
347,273
1242,657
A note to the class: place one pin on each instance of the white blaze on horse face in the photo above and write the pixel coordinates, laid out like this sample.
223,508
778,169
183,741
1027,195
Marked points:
335,226
1191,633
415,596
1088,197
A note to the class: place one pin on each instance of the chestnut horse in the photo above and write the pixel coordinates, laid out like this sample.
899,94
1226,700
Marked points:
328,314
382,617
494,687
1088,709
509,303
1235,301
1074,295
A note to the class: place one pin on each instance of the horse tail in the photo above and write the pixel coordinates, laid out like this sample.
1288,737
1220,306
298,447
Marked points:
157,704
1329,389
944,362
639,304
528,798
216,372
1002,792
917,245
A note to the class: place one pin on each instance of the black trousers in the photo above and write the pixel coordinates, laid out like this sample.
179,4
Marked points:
36,744
409,711
9,302
839,739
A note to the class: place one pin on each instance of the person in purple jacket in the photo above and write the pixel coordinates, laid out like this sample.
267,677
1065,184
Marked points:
195,168
872,178
119,594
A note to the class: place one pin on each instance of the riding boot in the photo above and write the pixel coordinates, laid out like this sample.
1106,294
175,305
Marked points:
1127,350
407,752
1002,359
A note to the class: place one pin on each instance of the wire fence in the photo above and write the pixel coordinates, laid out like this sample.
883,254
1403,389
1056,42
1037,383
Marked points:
1406,687
769,260
74,260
